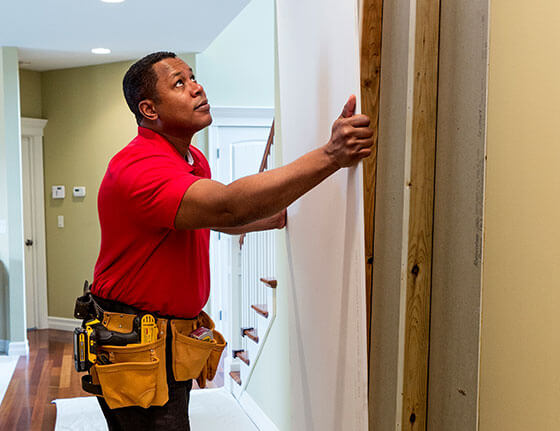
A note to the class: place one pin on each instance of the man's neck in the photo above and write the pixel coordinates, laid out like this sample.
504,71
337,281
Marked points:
181,142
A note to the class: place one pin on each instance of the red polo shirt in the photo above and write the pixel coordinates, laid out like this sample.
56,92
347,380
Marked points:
144,261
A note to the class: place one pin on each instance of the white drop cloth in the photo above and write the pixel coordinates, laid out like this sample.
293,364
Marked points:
7,367
210,410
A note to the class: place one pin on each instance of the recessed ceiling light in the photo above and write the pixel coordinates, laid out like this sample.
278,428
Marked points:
101,51
112,1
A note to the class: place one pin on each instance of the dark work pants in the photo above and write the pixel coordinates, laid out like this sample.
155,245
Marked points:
173,416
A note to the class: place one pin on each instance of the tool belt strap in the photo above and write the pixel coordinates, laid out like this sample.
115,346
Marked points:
89,386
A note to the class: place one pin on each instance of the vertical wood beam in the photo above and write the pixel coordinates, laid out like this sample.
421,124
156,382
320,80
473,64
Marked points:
421,215
372,17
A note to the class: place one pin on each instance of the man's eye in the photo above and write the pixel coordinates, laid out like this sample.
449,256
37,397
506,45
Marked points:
179,83
193,78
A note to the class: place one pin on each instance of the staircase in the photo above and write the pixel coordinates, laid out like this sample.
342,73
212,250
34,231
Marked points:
253,297
256,324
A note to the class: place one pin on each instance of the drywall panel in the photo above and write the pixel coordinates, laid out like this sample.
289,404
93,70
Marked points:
458,218
318,70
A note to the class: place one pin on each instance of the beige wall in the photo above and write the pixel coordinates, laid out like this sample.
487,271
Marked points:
31,104
520,352
88,122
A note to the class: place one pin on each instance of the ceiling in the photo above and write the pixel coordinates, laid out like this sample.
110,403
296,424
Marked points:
57,34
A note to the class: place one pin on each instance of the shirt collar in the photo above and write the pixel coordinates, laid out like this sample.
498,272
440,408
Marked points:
154,136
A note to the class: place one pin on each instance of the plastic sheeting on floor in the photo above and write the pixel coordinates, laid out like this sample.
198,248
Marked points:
210,410
7,367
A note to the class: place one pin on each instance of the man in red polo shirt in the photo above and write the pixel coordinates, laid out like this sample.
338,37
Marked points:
157,205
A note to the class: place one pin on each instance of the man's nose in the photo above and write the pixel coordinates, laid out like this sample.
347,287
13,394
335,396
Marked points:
196,89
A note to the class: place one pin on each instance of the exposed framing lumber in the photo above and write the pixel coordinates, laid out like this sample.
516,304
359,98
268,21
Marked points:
404,212
372,18
421,215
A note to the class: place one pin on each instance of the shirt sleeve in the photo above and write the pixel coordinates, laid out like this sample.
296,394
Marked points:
152,187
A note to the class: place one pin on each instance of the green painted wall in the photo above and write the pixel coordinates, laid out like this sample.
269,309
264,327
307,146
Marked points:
30,94
88,122
12,283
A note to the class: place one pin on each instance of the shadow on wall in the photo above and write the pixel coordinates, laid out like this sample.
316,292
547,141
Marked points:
3,302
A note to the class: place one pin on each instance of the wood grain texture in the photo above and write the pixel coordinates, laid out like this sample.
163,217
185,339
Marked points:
251,334
262,309
370,76
270,283
45,375
420,234
236,376
244,356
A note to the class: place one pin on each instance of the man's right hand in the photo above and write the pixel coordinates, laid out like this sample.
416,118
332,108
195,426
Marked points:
351,137
207,203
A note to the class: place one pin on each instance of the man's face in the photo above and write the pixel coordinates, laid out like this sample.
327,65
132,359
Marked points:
182,106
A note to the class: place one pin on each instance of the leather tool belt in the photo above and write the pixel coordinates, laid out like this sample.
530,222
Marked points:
135,374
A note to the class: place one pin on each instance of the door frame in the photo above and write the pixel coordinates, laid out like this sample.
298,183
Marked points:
33,128
229,116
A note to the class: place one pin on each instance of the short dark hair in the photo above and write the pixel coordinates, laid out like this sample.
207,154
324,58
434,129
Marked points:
140,80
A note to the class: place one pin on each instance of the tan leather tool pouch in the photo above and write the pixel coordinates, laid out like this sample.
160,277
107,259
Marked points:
118,322
192,358
136,375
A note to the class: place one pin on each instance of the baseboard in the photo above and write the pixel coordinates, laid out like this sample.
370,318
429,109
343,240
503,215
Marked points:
254,412
4,346
18,348
63,323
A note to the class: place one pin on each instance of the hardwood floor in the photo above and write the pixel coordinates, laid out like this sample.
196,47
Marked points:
47,374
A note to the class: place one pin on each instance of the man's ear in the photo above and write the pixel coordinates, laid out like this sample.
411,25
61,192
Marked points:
148,110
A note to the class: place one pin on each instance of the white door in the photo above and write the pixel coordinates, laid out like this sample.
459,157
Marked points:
34,223
28,235
237,152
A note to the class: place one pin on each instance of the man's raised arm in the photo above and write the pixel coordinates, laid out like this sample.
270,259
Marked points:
210,204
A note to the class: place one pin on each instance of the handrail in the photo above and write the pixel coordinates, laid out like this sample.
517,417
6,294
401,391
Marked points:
263,166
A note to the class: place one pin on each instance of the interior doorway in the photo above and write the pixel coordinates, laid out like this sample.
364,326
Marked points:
34,223
236,142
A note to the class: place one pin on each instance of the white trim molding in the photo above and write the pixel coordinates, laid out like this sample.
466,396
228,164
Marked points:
32,126
16,348
241,116
63,323
251,408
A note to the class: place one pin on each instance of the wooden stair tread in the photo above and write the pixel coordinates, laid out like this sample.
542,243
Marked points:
270,282
236,376
244,356
252,334
262,309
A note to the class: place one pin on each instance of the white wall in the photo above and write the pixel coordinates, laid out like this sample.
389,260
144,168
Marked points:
238,69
